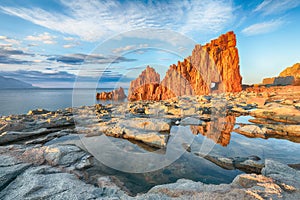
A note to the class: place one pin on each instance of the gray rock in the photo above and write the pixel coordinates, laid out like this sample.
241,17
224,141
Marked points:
48,137
12,136
49,183
10,168
187,189
251,164
63,154
282,173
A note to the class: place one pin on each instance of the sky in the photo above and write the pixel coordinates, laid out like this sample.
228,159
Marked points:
89,43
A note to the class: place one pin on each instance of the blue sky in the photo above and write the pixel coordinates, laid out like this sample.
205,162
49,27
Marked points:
53,43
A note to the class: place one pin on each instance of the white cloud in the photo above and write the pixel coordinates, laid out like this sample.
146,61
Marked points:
129,48
93,20
269,7
9,40
46,38
69,38
13,41
49,42
67,46
262,28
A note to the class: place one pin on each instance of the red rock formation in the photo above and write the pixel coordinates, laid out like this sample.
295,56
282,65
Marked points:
144,87
216,62
117,94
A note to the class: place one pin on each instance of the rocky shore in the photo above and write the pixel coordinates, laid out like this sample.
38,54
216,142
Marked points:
42,156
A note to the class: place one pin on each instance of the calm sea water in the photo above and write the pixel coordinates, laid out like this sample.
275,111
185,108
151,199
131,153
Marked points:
20,101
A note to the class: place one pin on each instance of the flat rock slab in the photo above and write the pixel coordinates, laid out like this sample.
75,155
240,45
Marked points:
278,112
146,124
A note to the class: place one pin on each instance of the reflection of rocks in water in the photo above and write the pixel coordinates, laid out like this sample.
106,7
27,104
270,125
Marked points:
218,129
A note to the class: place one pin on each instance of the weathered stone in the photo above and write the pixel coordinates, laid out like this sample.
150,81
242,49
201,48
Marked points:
12,136
278,112
251,164
10,168
63,154
282,173
251,131
154,139
49,183
146,124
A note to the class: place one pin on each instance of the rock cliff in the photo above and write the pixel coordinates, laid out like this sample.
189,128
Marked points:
117,94
212,68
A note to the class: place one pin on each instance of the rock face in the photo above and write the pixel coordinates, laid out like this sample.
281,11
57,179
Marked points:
144,87
212,68
289,76
117,94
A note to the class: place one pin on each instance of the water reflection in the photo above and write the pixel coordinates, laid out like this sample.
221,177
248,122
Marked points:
218,129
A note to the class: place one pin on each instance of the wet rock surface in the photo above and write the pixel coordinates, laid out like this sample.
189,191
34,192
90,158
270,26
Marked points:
42,155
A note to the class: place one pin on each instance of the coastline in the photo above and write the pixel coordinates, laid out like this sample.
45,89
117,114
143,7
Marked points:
45,143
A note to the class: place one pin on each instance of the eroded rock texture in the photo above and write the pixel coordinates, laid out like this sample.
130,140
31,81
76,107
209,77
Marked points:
211,68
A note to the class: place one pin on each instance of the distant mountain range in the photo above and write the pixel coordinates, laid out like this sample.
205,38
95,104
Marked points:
10,83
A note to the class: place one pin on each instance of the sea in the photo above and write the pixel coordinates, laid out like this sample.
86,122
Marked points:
20,101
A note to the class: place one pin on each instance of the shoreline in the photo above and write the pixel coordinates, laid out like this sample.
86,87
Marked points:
45,140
